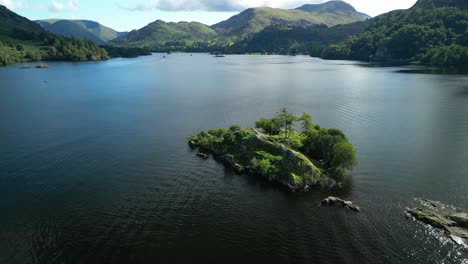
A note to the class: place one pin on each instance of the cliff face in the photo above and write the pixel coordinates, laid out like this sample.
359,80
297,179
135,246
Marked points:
256,154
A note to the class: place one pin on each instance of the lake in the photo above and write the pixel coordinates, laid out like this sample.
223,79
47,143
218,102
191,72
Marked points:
95,167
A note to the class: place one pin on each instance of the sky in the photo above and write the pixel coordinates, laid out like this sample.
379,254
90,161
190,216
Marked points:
126,15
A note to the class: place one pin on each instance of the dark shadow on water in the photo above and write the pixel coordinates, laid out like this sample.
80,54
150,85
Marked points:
444,71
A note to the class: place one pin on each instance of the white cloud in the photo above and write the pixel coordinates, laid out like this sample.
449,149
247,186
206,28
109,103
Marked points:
371,7
57,6
15,5
214,5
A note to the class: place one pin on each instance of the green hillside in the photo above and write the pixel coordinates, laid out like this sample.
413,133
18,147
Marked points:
254,20
292,40
24,40
161,36
432,32
86,29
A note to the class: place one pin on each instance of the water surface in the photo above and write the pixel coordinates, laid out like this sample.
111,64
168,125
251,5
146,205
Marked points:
94,166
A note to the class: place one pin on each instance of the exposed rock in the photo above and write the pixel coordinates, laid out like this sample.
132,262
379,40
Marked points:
42,66
193,144
461,218
231,161
293,170
448,218
202,155
333,201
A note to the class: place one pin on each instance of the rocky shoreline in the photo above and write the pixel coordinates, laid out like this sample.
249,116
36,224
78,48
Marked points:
297,173
453,221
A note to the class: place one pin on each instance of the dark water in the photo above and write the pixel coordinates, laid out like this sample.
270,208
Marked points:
94,166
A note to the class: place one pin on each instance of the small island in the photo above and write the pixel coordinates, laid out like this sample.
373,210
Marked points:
286,149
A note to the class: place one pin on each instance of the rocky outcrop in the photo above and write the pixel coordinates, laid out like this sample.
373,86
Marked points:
334,201
292,170
448,218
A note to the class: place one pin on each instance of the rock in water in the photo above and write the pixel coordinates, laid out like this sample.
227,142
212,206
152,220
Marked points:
332,201
202,155
448,218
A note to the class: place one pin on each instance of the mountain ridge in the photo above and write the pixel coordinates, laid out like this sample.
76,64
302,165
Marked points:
80,28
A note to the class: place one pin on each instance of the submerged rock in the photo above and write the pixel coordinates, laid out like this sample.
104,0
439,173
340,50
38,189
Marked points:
42,66
333,201
448,218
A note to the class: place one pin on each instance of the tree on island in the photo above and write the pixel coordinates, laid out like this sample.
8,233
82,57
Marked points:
299,159
328,147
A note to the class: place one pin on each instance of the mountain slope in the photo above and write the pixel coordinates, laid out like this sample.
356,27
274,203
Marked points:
291,40
432,32
160,35
253,20
338,9
24,40
86,29
70,29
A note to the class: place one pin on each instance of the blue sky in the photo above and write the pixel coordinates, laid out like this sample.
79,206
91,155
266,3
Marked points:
125,15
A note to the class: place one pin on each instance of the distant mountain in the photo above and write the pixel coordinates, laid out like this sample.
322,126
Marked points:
193,36
432,32
254,20
161,35
24,40
280,39
335,8
79,29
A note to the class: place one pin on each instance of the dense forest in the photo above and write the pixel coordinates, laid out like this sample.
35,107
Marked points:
24,40
432,33
295,40
30,46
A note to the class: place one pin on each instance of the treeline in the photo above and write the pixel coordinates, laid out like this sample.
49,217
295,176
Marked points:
22,45
425,33
126,52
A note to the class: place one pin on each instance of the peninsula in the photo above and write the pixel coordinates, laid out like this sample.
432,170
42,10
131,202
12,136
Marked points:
298,159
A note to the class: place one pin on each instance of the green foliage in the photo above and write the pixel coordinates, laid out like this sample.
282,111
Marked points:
126,52
287,153
287,119
433,32
23,40
270,126
344,155
265,155
161,37
307,123
263,166
280,39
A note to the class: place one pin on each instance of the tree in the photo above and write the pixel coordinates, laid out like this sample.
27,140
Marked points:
306,122
269,126
344,155
287,119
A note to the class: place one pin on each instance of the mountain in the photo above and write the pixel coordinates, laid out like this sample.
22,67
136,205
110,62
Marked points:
432,32
161,36
279,39
85,29
193,36
70,29
335,8
253,20
25,40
